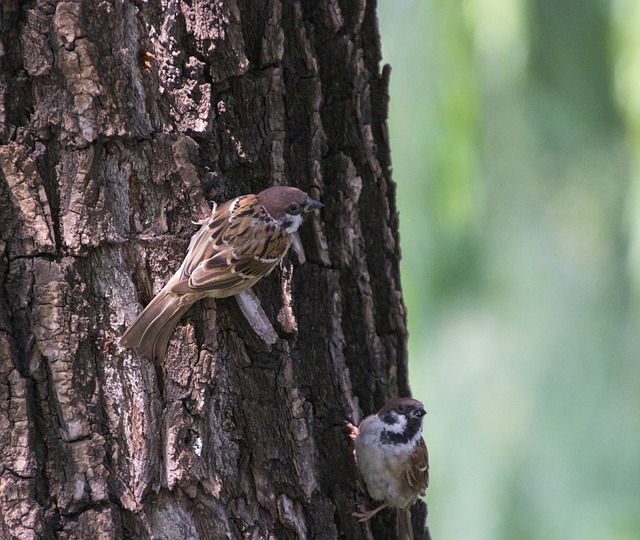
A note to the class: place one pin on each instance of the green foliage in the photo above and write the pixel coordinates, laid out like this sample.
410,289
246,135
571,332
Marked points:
515,132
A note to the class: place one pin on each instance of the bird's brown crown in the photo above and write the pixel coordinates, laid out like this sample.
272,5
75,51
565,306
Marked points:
400,404
276,200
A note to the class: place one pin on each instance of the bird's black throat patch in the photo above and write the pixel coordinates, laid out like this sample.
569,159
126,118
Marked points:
410,430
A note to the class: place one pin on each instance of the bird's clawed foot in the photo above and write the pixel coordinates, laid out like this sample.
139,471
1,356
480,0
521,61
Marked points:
352,431
365,515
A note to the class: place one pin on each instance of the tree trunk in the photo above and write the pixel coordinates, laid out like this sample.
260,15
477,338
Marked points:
121,121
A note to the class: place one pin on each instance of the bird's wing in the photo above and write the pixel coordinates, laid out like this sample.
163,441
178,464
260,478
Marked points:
232,250
417,473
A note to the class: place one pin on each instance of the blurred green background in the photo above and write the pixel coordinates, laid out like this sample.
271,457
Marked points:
515,132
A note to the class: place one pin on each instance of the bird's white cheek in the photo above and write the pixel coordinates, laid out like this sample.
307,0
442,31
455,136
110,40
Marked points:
296,221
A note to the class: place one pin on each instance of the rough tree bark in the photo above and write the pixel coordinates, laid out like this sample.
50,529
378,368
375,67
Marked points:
120,121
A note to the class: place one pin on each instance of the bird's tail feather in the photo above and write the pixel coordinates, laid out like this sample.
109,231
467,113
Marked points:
405,530
151,331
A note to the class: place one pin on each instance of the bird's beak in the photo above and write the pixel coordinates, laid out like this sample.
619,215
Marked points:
310,205
420,412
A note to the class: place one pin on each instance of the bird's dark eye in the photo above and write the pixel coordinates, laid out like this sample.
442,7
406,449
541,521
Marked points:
402,408
294,208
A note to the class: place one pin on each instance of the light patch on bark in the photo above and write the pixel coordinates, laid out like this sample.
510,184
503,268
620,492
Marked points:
29,199
292,516
285,316
251,307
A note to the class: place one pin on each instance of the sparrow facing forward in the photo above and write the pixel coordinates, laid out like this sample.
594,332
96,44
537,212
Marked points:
241,242
393,459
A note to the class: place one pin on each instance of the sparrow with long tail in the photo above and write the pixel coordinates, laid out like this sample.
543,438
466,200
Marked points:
241,242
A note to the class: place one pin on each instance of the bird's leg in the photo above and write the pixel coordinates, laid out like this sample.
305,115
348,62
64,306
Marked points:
252,309
360,485
365,515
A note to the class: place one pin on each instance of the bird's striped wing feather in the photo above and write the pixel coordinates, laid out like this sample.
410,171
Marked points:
417,473
231,254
